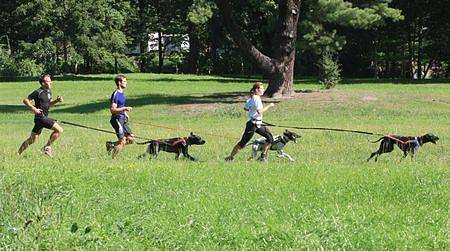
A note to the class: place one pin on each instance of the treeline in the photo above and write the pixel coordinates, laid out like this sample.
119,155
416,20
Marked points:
392,39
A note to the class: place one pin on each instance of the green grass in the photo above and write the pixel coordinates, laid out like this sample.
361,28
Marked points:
329,198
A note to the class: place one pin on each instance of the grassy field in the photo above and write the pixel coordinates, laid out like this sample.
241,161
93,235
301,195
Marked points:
330,197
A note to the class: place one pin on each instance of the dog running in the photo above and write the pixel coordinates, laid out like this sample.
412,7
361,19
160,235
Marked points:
173,145
407,144
278,145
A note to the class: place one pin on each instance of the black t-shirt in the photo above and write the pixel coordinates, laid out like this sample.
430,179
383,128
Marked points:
41,99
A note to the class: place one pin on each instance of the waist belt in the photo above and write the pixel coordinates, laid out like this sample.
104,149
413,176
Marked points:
256,121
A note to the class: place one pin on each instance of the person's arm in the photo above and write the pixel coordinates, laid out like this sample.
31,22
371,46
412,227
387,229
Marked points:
246,108
28,103
115,110
58,99
263,110
260,108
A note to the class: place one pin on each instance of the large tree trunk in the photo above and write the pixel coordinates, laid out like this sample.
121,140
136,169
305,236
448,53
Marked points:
411,52
192,61
143,57
116,66
214,26
65,44
160,52
419,49
279,69
430,64
143,37
376,72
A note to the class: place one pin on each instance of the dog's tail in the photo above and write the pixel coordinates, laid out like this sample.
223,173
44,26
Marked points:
377,140
143,143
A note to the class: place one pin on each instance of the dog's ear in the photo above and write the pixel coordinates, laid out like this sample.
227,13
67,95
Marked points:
286,130
192,133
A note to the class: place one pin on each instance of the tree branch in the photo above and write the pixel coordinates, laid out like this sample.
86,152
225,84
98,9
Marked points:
262,61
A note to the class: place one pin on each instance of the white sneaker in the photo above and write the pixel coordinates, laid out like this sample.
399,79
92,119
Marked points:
48,151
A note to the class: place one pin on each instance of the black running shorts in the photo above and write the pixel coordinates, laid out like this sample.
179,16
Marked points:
121,127
250,130
42,122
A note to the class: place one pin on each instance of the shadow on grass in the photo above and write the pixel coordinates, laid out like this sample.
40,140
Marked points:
205,79
394,81
149,78
59,78
13,108
157,99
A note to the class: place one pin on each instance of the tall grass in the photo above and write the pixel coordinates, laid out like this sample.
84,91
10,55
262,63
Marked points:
330,197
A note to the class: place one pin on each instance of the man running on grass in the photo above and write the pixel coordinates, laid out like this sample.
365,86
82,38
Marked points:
42,101
119,118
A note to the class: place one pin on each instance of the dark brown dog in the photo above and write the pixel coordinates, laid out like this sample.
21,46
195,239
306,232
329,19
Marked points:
172,145
407,144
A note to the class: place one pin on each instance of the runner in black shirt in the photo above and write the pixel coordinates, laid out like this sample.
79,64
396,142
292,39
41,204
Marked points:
42,100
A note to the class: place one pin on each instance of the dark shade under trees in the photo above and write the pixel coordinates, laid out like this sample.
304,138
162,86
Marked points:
378,39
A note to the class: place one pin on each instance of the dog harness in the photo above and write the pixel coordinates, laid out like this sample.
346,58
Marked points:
179,141
415,140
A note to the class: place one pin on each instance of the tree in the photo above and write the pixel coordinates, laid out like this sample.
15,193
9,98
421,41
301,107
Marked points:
324,21
279,67
200,12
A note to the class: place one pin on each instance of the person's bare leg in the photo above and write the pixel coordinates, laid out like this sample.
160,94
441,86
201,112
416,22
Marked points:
57,131
266,148
264,151
33,137
118,147
235,150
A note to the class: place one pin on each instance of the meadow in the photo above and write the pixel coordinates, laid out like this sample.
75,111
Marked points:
329,198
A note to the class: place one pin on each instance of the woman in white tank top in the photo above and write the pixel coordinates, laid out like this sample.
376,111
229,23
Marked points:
255,110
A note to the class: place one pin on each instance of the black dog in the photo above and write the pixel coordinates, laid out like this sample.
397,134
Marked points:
173,145
407,144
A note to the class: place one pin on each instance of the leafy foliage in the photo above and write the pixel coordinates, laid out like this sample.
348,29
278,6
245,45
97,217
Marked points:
392,37
329,72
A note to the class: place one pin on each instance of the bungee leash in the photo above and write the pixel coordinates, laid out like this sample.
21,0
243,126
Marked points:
323,129
96,129
180,129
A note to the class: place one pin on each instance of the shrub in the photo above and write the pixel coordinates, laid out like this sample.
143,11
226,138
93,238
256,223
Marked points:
28,68
11,67
329,71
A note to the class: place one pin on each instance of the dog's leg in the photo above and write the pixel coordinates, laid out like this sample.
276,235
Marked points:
288,156
255,146
147,152
377,152
283,154
177,155
386,146
185,152
372,155
142,155
280,154
155,150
